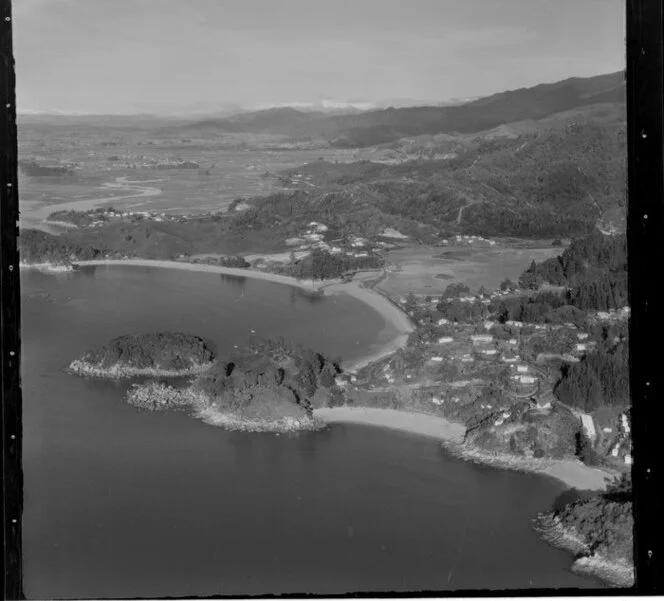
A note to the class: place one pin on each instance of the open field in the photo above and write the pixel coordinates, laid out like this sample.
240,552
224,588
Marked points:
423,270
97,157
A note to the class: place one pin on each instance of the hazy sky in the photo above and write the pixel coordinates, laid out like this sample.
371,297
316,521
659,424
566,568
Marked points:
162,55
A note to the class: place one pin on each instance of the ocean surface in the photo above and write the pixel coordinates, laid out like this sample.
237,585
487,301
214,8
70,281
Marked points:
125,503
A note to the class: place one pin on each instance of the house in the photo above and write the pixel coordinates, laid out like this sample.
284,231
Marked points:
582,335
481,338
488,325
581,347
628,459
527,379
516,324
522,369
603,315
512,341
467,359
588,426
615,450
442,321
489,351
437,359
625,423
437,401
607,430
509,359
445,340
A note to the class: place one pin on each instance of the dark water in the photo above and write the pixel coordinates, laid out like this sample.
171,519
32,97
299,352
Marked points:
124,503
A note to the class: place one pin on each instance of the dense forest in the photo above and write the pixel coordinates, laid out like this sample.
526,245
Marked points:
593,269
600,378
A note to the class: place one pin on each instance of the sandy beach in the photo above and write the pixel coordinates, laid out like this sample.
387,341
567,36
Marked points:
387,310
415,423
570,472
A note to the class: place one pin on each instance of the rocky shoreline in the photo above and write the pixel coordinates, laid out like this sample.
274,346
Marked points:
118,371
157,396
617,573
570,471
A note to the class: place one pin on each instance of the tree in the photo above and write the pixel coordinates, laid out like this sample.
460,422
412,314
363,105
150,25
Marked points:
456,289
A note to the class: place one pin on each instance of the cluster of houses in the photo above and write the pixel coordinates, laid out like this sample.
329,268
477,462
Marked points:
458,239
100,217
314,237
613,314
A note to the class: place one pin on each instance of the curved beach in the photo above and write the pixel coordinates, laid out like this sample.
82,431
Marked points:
387,310
572,473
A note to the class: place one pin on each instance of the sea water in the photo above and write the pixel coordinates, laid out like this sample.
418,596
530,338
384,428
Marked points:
121,502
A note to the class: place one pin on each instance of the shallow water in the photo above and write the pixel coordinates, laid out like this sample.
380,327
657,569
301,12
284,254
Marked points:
125,503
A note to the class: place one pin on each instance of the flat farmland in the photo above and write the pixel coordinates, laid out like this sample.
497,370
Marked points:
428,270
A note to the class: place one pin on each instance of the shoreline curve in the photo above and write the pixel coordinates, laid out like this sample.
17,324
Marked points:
390,313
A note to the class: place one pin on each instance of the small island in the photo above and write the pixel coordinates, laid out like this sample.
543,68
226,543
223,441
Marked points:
160,354
271,386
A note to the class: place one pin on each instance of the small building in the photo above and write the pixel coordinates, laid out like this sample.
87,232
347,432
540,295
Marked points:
527,379
509,359
489,351
437,359
581,347
628,459
515,324
522,369
488,325
445,340
615,450
442,321
512,341
481,338
582,335
607,430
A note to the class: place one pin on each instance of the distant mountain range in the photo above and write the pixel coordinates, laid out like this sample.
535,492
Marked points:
347,125
374,127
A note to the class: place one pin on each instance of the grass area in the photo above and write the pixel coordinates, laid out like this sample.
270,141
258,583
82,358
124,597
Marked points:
425,270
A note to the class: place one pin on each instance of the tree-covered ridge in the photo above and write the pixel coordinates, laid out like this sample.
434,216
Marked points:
543,184
163,351
270,380
35,246
600,378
